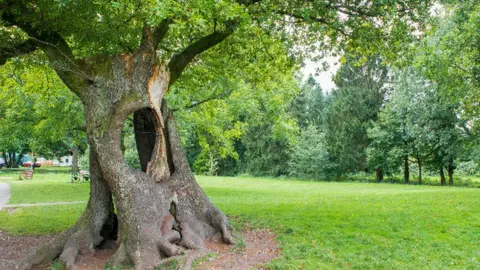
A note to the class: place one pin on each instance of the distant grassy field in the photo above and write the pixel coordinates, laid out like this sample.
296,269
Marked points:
47,185
320,225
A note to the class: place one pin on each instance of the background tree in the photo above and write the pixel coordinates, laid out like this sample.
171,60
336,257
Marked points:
309,105
355,103
415,125
309,157
450,56
38,118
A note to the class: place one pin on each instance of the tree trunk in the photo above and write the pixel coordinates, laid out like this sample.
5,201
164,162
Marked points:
18,160
96,225
450,169
379,174
442,176
75,159
5,159
34,160
160,209
11,160
406,171
419,162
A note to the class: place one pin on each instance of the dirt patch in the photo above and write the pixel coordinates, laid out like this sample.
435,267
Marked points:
13,248
95,261
253,249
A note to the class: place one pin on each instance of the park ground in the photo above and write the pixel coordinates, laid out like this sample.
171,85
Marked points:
318,225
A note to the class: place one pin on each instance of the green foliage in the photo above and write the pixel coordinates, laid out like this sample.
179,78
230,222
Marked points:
266,153
253,66
206,164
95,28
354,104
468,168
84,160
415,123
253,101
129,146
38,113
309,157
450,55
309,105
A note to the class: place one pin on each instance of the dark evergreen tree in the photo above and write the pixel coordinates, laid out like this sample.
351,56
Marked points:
356,102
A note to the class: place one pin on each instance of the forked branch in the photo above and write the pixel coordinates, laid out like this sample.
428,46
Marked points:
179,61
152,36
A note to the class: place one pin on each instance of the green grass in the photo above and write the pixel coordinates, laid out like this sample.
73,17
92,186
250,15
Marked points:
40,220
47,185
324,225
475,179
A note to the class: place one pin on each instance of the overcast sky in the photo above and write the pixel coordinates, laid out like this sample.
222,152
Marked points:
324,78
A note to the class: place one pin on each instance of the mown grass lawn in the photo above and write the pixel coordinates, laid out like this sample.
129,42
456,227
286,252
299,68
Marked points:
47,185
320,225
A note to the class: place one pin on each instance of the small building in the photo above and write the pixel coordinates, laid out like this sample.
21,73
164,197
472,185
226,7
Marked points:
66,161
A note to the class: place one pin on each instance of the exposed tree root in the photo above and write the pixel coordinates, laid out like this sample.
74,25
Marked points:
98,223
158,219
184,260
79,239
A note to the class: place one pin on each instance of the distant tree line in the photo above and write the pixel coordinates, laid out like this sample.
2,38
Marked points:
414,117
377,120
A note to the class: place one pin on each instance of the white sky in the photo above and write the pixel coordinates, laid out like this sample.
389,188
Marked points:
323,77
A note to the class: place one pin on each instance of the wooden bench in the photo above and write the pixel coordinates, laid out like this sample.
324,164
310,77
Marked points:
25,175
82,176
75,177
85,176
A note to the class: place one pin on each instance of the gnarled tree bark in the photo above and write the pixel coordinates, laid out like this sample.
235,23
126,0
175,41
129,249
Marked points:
442,176
161,209
97,224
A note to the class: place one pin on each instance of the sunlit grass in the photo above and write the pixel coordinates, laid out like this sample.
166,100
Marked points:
320,225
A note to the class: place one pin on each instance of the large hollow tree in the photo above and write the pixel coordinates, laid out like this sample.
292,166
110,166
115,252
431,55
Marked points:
120,58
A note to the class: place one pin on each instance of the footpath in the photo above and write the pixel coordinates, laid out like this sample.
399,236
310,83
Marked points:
4,194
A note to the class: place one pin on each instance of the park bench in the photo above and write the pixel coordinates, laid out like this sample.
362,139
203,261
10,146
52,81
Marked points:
85,176
25,175
82,176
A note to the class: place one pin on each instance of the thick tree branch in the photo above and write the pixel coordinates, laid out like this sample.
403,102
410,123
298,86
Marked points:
312,18
179,61
59,53
160,31
224,94
152,36
26,47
